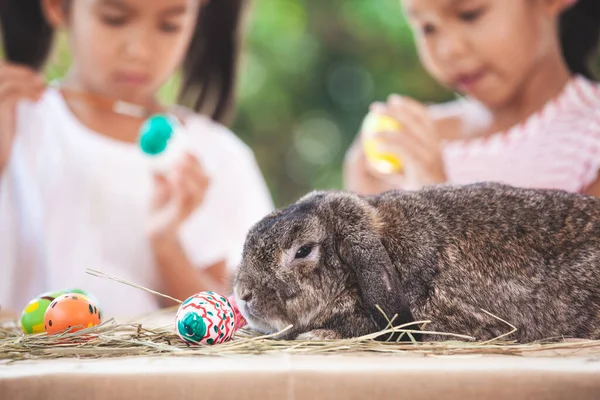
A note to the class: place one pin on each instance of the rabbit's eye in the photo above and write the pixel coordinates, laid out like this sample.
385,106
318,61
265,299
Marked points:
303,252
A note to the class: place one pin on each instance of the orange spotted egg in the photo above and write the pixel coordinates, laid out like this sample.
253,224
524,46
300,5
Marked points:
72,312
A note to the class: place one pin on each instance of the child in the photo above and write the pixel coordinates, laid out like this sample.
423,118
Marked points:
75,190
531,112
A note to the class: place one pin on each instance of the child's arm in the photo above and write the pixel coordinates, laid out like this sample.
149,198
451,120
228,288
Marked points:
16,83
180,278
175,199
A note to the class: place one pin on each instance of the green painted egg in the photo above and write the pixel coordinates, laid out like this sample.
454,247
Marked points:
32,318
80,291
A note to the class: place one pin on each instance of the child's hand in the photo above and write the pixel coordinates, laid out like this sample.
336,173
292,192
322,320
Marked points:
358,177
417,144
16,83
176,198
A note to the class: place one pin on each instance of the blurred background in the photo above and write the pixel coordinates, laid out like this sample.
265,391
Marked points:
309,70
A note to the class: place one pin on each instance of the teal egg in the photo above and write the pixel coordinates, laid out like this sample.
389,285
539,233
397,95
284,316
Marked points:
155,134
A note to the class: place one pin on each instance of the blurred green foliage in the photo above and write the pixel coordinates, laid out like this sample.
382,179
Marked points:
308,72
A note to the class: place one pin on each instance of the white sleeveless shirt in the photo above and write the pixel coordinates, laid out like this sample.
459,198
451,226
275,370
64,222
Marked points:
72,199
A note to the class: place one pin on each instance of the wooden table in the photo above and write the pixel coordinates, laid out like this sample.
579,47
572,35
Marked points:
305,377
573,375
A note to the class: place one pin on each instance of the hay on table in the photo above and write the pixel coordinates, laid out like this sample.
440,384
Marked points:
113,340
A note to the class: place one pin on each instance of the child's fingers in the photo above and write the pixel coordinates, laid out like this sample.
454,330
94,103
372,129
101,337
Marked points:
194,191
415,123
190,188
199,180
415,128
12,91
417,142
10,74
197,171
411,122
413,110
408,148
162,191
378,107
180,189
411,133
414,107
19,72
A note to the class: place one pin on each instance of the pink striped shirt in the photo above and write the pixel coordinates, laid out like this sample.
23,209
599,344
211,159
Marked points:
558,147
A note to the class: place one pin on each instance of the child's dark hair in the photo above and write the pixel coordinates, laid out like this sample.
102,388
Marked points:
579,35
209,69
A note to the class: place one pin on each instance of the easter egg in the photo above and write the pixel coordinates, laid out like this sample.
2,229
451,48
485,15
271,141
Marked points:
32,317
72,311
163,141
87,294
80,291
381,161
206,318
155,134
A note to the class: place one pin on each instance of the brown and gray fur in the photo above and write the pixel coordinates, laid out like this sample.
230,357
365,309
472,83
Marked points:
445,254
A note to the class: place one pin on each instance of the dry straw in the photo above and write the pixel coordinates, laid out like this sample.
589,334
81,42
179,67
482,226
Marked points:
112,340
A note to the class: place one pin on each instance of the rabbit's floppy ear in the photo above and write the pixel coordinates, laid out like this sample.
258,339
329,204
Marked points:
360,247
378,282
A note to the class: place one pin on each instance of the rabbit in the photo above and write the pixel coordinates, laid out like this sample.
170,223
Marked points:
465,257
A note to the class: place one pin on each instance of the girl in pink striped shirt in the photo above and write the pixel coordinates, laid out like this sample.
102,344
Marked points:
530,115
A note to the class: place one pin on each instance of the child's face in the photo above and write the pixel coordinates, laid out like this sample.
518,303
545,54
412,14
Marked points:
129,48
484,48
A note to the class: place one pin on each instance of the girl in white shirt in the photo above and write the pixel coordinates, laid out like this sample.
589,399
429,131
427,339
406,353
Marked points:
75,190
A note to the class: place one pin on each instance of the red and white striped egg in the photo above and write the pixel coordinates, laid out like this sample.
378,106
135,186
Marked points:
206,318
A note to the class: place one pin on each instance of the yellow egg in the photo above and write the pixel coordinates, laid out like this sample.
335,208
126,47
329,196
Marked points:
383,162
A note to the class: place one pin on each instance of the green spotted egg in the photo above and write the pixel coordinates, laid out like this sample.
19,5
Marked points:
32,317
